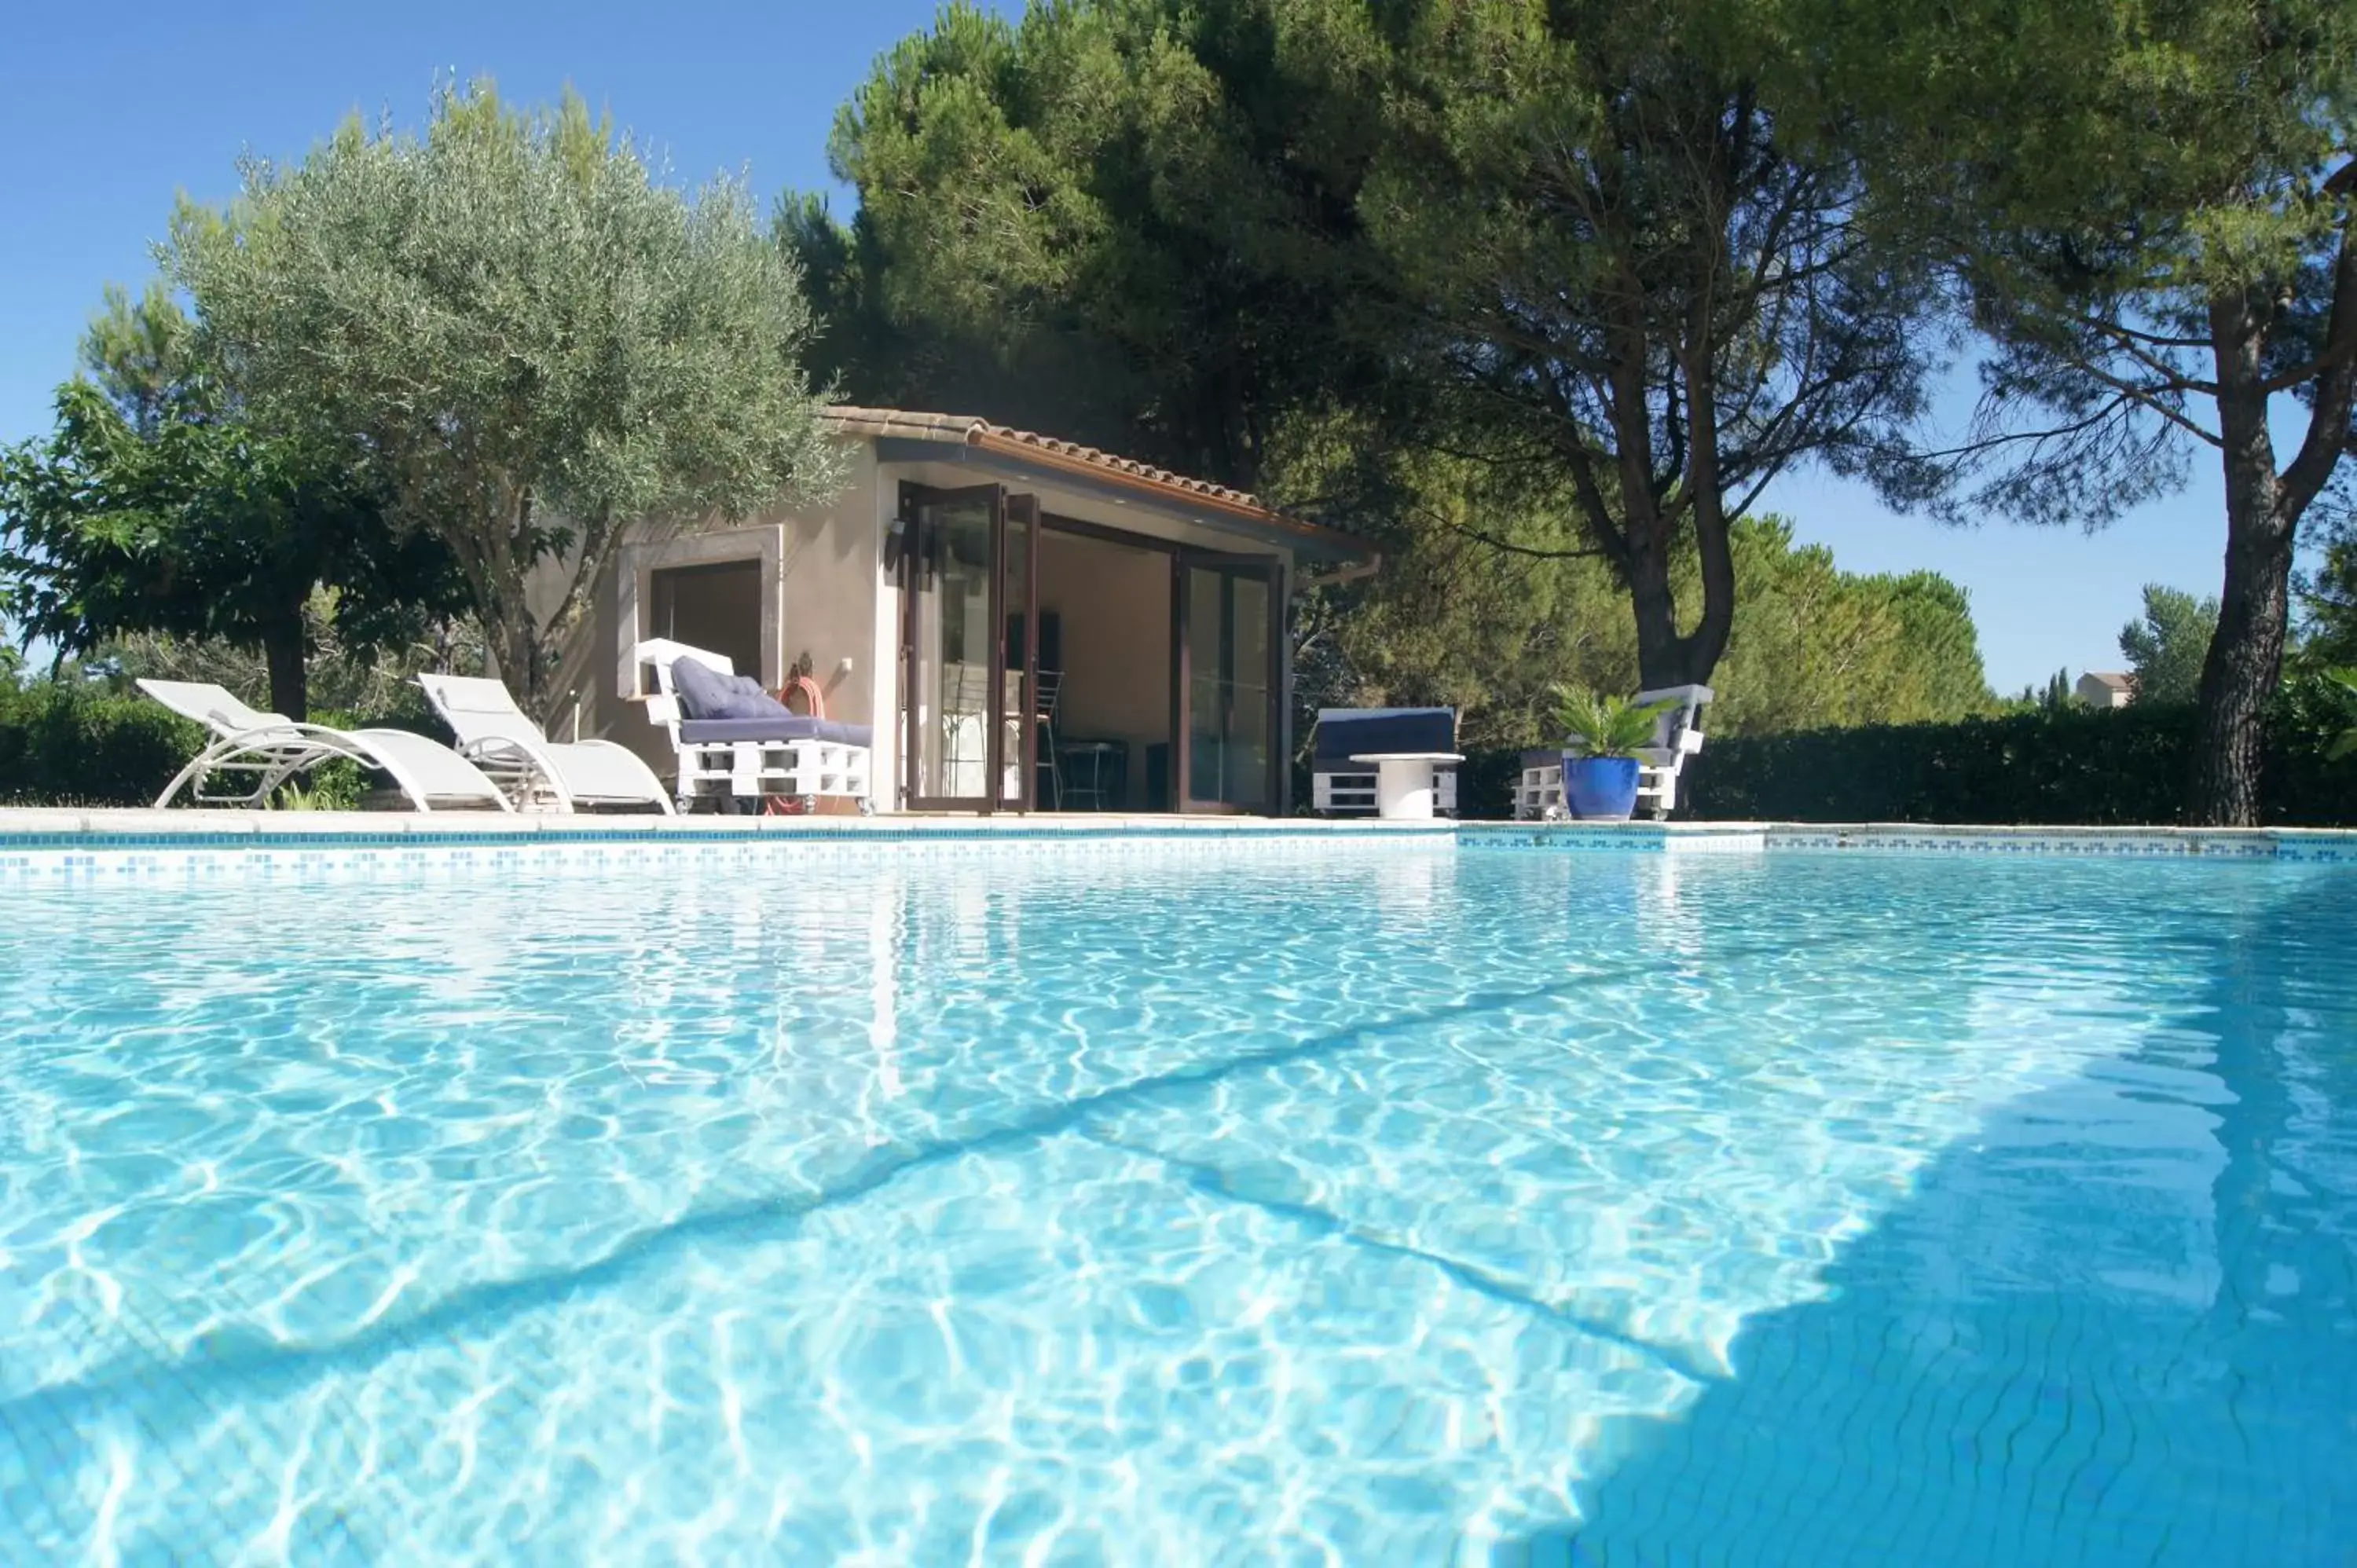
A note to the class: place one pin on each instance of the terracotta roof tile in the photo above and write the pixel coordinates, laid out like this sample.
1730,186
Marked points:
880,422
975,431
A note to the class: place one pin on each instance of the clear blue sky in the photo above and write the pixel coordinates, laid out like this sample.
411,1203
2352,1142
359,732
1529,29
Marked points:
111,112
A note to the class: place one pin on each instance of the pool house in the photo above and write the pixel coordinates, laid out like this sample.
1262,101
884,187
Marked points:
1019,622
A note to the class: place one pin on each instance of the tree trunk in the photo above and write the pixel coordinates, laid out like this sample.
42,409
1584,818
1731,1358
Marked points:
517,650
1661,653
1715,550
2245,665
290,689
1665,658
1706,644
2245,659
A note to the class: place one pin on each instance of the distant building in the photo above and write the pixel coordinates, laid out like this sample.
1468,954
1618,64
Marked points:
2104,689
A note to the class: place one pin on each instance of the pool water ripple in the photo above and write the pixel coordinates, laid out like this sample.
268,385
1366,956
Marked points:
1350,1204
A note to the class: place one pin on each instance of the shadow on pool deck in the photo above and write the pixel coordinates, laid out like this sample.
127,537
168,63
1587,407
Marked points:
2119,1326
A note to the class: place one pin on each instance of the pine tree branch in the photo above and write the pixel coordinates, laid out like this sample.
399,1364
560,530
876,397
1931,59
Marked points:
2329,419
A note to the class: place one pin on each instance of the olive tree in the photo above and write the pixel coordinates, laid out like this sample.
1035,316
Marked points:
535,342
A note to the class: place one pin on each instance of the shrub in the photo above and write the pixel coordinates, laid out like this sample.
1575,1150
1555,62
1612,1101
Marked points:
2118,768
75,743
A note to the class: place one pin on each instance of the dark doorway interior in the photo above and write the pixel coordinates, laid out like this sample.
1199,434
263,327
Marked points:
715,606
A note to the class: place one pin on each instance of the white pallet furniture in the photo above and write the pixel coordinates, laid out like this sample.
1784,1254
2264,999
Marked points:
1355,793
1677,734
1538,795
1340,787
821,766
1404,782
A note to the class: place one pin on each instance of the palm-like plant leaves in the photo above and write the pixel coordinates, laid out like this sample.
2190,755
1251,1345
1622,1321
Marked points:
1605,725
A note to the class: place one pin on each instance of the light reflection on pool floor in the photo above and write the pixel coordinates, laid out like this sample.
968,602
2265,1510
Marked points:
1362,1204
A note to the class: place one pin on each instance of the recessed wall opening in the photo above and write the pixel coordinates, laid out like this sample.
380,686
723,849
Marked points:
715,605
1105,615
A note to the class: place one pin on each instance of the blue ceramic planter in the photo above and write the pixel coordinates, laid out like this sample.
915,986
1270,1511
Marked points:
1599,789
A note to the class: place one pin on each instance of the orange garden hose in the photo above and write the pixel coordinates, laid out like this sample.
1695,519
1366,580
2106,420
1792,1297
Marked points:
791,805
811,694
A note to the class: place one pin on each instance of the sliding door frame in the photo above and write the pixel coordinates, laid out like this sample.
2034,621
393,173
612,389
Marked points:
920,545
1268,570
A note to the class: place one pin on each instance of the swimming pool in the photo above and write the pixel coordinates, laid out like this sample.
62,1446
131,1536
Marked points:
1279,1202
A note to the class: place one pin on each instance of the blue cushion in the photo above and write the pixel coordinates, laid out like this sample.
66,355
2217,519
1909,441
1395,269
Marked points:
1344,732
706,693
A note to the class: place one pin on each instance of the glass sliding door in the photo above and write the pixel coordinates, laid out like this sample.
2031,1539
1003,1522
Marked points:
949,645
1229,636
962,574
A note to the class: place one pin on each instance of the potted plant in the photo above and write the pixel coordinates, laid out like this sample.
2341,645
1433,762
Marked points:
1599,762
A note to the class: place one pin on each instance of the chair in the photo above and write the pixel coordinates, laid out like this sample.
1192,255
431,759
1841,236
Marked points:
793,755
1100,758
965,728
530,769
1044,705
269,749
1677,734
1340,787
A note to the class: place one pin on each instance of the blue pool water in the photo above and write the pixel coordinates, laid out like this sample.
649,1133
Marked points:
1346,1203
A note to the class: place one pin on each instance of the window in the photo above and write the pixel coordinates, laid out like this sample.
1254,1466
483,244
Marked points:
716,606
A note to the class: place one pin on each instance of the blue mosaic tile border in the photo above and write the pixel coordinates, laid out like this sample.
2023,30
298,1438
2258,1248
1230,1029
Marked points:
323,849
2316,848
51,856
2118,844
1639,838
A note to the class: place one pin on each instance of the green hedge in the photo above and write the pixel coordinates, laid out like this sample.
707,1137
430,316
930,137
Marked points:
2121,768
82,743
72,742
1486,782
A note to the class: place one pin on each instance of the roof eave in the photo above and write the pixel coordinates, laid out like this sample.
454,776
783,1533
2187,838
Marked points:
1317,537
900,438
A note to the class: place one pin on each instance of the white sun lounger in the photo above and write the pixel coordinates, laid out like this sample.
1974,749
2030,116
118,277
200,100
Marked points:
260,751
530,769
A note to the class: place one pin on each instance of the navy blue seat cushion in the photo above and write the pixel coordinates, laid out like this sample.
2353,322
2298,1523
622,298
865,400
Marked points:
790,727
706,693
1362,731
715,708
